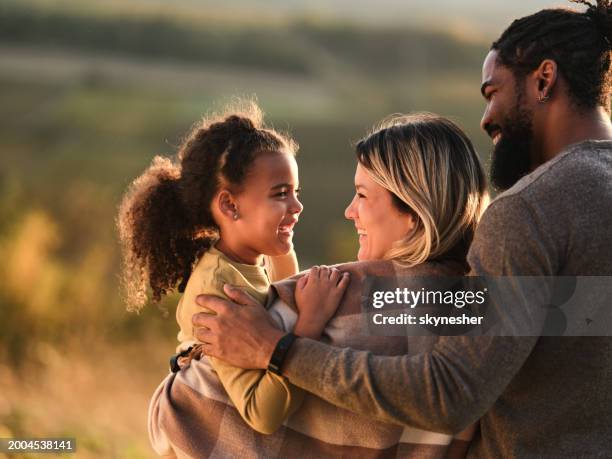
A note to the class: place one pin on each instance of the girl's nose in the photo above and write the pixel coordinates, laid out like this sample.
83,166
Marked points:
296,206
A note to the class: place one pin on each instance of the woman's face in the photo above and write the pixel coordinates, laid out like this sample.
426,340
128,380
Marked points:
379,223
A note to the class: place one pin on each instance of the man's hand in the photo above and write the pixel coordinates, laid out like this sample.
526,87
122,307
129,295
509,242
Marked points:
241,333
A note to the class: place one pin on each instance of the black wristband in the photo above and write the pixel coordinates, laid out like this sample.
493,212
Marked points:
280,352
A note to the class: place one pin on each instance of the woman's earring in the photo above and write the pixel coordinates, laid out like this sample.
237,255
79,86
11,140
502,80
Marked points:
542,98
236,216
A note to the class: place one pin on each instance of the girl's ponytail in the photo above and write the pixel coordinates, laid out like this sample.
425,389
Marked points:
158,241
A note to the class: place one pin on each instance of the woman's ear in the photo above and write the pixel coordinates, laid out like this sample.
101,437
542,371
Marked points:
409,222
225,205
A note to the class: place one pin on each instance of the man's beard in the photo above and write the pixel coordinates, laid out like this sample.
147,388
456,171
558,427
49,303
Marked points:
511,159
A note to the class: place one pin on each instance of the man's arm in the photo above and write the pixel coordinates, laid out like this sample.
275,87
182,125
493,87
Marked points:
462,377
443,390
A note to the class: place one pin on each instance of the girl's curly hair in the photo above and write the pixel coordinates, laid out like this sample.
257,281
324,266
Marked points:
165,221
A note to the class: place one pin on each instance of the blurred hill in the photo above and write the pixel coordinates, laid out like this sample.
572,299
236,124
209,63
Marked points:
477,18
99,91
299,46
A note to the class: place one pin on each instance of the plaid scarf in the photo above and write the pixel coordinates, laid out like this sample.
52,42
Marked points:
190,415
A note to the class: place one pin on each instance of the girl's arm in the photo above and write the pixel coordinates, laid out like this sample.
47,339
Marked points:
282,266
263,399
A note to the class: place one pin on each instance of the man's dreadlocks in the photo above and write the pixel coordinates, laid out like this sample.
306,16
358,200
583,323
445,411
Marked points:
579,43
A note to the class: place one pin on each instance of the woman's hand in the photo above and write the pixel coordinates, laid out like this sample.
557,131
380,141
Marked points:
318,294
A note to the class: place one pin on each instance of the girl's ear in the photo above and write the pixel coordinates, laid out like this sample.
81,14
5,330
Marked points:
226,205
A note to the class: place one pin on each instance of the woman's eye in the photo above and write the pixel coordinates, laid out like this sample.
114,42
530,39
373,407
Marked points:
360,195
298,191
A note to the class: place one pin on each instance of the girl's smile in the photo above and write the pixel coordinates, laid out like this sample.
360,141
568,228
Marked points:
267,207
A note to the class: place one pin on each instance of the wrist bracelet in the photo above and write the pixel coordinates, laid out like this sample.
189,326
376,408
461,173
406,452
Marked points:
280,352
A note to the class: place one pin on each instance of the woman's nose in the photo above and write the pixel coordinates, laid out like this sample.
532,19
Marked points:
349,212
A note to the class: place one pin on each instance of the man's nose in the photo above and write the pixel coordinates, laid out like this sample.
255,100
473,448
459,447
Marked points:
485,120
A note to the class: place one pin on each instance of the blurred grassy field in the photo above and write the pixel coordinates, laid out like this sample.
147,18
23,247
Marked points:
88,97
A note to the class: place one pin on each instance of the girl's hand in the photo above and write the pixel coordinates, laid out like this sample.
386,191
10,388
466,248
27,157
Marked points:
318,294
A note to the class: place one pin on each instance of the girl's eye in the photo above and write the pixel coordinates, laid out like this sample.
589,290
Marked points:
285,193
281,194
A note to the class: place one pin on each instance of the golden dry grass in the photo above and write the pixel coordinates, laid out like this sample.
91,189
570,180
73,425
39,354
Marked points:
96,394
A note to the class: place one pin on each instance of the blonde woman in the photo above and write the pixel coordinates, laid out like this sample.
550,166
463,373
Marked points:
419,193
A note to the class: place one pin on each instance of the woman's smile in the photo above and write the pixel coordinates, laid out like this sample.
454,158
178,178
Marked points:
378,222
362,235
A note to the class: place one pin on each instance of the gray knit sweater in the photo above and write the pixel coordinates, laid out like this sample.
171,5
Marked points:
535,397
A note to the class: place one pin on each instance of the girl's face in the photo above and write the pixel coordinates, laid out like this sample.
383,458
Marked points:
268,208
379,223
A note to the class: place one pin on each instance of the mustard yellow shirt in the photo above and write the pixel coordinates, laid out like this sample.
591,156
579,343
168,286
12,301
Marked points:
263,399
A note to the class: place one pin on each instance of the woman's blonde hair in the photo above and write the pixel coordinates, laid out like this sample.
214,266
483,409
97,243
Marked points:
432,171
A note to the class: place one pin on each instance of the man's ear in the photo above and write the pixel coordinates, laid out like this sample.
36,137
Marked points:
545,79
226,205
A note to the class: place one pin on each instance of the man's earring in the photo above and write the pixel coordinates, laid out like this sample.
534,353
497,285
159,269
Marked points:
542,98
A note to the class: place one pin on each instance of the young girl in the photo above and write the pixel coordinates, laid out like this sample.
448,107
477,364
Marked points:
207,219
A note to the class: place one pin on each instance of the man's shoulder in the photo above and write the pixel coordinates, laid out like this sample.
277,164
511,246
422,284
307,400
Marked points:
529,228
579,167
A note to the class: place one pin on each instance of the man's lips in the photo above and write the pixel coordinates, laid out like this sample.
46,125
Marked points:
496,137
495,133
